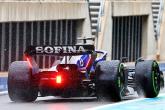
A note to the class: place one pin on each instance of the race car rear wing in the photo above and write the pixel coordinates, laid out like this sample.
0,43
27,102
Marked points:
60,50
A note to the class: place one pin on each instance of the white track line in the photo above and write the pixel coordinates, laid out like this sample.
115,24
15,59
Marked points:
116,104
4,93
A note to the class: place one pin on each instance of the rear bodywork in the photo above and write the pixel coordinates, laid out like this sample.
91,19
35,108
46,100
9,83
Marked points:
71,74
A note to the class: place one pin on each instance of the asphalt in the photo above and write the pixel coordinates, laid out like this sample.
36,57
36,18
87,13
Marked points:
81,103
51,103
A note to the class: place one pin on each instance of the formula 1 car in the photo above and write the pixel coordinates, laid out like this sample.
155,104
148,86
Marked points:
81,71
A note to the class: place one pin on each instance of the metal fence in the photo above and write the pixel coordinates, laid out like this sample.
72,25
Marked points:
127,37
16,36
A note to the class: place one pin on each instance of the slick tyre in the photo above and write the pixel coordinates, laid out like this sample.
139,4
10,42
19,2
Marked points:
109,80
147,78
20,87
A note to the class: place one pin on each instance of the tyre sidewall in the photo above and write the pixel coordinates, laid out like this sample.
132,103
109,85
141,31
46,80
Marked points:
20,83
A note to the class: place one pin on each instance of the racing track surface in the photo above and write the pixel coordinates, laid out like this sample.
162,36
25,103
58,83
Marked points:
50,103
56,103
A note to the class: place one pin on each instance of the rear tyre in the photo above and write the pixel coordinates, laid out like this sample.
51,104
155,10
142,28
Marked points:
109,80
147,77
19,82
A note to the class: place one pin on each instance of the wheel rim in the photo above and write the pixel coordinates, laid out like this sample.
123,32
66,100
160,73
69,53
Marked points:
120,79
155,78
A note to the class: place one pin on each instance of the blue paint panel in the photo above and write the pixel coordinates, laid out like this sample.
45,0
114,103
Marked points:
3,83
82,62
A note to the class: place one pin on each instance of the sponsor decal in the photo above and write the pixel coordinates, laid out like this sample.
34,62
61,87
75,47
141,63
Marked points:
81,62
59,49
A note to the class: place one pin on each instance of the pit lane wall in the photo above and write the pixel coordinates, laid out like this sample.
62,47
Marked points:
32,10
161,45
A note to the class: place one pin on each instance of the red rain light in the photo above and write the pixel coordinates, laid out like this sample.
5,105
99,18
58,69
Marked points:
58,79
